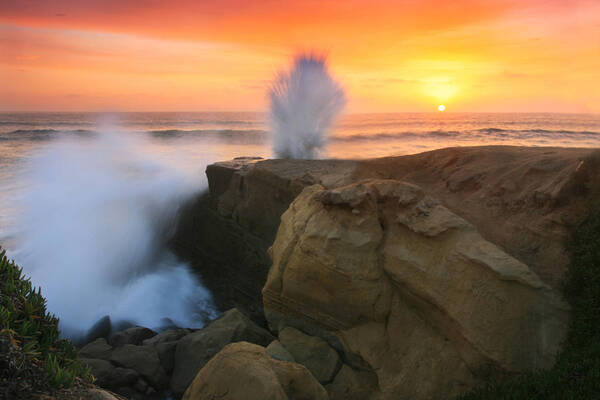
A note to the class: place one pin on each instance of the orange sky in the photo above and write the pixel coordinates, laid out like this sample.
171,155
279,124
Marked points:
403,55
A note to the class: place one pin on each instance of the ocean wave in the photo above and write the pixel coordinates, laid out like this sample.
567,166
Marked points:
225,134
395,135
537,130
482,133
229,134
260,135
41,134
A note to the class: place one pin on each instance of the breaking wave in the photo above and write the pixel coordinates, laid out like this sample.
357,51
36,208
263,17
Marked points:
92,228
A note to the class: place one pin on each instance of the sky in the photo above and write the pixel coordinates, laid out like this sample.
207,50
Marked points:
221,55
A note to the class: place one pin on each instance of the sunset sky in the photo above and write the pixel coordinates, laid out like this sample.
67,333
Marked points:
403,55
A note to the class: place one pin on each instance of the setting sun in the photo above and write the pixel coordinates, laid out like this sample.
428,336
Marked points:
441,108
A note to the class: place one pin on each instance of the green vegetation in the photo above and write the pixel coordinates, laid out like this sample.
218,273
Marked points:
30,328
576,374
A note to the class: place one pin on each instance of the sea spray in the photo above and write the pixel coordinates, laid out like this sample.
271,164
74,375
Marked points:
92,227
304,104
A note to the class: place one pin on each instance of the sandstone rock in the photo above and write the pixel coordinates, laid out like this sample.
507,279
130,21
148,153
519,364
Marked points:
350,384
99,394
523,199
410,288
312,352
99,348
245,189
144,360
278,352
196,349
245,371
226,233
135,335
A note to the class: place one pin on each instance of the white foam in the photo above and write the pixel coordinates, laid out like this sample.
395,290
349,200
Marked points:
304,104
92,226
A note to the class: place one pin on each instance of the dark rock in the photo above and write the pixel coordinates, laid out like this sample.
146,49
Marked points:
101,329
196,349
122,325
172,335
144,360
101,369
123,377
350,384
223,252
166,354
312,352
141,386
135,335
167,324
279,352
99,348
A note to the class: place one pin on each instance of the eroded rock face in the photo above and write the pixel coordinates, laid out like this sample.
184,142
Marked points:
245,371
408,288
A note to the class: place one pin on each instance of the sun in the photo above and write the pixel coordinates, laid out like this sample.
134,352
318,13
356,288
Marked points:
441,108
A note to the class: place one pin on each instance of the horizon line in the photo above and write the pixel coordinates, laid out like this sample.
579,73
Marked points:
266,112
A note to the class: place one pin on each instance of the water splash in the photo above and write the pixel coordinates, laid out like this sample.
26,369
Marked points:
92,227
305,103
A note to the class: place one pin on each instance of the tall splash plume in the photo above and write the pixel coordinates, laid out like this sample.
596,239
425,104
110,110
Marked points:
92,231
305,103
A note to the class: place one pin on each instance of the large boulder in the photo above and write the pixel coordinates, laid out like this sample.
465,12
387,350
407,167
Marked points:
278,352
171,335
135,335
102,370
109,376
196,349
312,352
144,360
351,384
99,348
245,371
409,289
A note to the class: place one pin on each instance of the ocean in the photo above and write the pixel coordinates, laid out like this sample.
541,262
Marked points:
90,195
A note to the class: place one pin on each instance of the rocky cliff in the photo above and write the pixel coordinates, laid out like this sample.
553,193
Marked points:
428,271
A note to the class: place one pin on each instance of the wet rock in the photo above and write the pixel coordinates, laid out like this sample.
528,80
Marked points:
135,335
101,329
99,348
350,384
312,352
166,354
144,360
279,352
170,335
194,350
101,369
